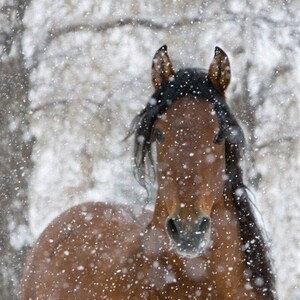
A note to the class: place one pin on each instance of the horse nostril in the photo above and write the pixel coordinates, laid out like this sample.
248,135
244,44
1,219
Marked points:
172,228
203,225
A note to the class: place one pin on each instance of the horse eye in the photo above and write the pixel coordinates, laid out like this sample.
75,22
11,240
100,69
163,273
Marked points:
219,137
159,136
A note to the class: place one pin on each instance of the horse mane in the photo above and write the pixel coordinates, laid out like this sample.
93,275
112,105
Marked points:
195,84
254,245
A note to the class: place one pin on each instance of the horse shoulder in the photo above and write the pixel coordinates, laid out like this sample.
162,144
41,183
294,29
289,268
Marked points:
86,241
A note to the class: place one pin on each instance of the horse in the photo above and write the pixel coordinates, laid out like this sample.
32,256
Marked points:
201,242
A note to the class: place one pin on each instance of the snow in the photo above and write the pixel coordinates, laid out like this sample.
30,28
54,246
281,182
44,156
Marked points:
87,87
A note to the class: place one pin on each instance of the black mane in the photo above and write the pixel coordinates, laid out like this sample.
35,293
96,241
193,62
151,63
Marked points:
195,84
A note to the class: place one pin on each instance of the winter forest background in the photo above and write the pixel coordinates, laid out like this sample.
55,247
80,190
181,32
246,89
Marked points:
73,74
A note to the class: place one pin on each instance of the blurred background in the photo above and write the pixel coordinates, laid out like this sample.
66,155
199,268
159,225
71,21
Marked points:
73,74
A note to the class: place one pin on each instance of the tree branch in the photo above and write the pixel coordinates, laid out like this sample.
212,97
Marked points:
62,102
134,22
283,139
151,24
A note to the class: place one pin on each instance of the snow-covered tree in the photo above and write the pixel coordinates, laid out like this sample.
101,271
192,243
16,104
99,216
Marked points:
15,145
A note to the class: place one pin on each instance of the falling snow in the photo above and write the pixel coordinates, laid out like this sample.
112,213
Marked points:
87,84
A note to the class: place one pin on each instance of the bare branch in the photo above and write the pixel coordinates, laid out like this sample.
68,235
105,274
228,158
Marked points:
49,104
151,24
134,22
104,26
280,140
62,102
277,72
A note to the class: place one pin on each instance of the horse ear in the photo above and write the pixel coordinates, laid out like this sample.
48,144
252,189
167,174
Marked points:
219,71
162,69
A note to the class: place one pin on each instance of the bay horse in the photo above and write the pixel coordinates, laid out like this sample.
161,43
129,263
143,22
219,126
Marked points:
202,241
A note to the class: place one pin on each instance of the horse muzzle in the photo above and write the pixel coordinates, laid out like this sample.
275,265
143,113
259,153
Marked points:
190,240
